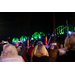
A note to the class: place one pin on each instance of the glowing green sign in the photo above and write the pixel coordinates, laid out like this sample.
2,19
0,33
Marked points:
23,38
37,35
17,39
13,40
63,29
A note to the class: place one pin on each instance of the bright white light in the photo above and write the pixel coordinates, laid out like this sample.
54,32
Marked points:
69,32
39,37
31,38
53,44
24,39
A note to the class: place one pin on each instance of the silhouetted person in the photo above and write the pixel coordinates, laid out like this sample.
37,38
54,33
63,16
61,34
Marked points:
53,51
22,49
70,46
25,54
30,51
62,50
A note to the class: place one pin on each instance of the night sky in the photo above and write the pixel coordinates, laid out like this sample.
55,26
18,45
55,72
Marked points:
16,24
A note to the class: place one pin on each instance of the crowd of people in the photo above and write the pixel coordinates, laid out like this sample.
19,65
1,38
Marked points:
39,52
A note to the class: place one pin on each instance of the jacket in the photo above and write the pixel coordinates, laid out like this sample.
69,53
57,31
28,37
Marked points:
41,59
53,54
30,51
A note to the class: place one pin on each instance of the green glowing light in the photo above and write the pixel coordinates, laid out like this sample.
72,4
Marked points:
37,35
21,38
43,34
74,28
17,39
25,37
13,40
57,31
62,29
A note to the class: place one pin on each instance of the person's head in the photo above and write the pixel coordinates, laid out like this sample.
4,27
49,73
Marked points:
32,45
70,42
40,44
53,46
61,45
9,51
40,49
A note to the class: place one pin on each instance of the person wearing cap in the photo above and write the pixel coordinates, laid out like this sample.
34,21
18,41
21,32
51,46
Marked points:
40,53
69,44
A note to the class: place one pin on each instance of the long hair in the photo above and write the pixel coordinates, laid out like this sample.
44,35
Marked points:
9,51
70,42
40,50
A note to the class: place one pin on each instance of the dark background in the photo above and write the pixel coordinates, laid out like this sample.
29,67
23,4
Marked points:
16,24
